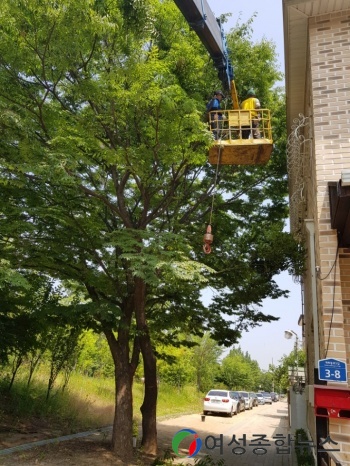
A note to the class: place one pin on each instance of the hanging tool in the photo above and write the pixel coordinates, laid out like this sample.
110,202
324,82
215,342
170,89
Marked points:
207,239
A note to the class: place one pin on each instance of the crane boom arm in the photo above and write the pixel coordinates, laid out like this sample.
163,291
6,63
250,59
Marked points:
202,20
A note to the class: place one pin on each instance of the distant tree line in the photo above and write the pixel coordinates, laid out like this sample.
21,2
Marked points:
37,333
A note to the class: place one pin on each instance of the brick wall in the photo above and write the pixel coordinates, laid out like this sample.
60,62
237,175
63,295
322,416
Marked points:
330,90
329,37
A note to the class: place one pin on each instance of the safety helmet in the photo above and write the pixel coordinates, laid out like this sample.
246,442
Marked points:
251,92
219,93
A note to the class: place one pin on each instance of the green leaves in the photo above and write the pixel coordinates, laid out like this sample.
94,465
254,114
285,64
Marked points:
255,64
105,186
104,163
239,372
158,258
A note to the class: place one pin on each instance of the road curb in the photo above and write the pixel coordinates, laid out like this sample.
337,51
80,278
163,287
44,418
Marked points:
39,443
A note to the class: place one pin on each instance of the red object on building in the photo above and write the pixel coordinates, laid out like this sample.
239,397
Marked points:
332,402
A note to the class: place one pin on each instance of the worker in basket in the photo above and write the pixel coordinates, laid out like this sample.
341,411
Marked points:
251,103
215,118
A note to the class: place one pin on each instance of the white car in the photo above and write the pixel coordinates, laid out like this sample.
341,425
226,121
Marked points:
261,399
221,401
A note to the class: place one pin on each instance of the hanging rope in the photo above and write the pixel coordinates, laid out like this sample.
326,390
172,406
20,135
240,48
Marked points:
215,183
208,237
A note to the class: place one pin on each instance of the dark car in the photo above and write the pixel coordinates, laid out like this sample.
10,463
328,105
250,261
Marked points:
241,401
254,398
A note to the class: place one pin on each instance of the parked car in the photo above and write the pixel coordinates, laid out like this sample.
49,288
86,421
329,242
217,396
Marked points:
221,401
241,401
254,398
274,396
267,397
261,399
248,401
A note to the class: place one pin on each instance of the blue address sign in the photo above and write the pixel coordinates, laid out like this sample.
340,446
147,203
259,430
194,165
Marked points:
332,370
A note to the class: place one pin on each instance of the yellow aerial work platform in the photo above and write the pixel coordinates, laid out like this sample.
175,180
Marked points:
237,141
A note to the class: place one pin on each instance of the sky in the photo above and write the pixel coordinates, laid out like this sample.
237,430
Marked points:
266,344
268,22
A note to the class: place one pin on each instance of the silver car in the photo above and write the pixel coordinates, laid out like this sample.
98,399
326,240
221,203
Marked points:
261,399
248,401
221,401
267,397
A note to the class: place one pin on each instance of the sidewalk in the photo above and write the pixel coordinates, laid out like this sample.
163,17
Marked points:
257,437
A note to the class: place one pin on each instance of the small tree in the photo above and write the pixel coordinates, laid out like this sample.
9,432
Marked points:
287,361
205,360
63,350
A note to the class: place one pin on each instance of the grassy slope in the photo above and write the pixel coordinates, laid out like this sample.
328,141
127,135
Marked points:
87,403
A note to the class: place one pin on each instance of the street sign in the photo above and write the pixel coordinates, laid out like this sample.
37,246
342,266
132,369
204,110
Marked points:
332,370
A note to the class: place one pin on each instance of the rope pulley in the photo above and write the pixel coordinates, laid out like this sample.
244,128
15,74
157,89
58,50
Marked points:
207,239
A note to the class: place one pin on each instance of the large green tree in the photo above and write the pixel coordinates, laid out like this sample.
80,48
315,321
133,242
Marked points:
239,372
194,360
104,183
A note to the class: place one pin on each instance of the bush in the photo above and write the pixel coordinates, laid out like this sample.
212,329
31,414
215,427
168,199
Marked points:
303,453
168,460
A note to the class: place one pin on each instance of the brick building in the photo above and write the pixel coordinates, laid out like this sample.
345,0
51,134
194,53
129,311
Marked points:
317,56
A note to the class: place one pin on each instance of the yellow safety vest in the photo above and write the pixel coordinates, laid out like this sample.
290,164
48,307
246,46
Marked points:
250,104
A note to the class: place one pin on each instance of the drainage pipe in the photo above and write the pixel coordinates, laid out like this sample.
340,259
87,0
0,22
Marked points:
310,225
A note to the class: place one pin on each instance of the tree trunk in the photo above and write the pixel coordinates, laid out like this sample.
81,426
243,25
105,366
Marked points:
149,405
15,366
34,362
123,414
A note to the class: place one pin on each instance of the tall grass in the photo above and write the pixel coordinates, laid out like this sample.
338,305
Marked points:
68,411
173,401
86,403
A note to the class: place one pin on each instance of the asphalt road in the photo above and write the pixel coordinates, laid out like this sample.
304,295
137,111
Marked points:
258,436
